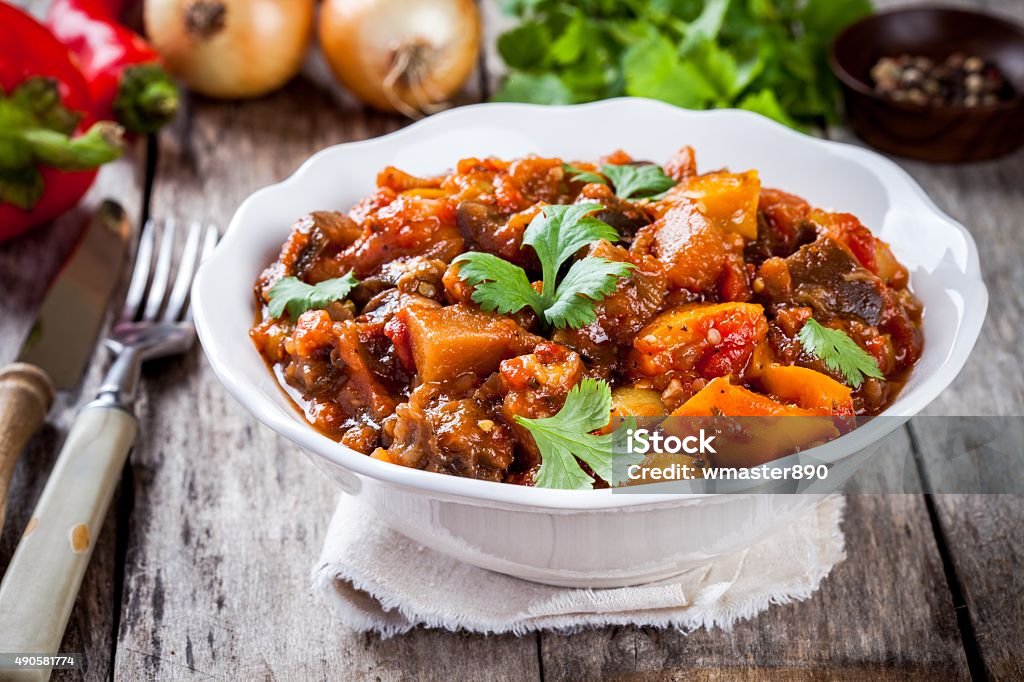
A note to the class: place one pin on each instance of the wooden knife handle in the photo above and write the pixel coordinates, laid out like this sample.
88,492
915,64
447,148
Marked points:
26,394
41,583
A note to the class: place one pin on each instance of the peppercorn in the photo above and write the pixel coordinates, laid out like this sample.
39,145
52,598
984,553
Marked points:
958,80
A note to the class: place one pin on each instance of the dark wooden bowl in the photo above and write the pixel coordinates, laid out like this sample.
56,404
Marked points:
931,133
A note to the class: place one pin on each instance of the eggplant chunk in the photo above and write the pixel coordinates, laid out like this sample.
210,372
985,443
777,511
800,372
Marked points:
486,228
459,436
826,278
314,239
625,216
621,314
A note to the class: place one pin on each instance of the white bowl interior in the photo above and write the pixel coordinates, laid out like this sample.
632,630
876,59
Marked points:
938,251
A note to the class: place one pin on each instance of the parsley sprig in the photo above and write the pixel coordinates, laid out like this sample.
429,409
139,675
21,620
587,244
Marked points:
638,181
839,352
556,235
566,436
295,296
580,175
629,181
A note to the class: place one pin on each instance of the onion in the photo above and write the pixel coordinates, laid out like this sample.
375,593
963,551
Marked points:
231,48
409,56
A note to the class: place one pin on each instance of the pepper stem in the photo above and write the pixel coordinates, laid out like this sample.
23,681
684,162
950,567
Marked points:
98,145
146,98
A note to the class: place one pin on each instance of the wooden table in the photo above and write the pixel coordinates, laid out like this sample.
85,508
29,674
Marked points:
202,568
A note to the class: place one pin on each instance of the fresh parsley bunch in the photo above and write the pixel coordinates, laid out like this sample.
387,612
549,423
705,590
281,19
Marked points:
768,56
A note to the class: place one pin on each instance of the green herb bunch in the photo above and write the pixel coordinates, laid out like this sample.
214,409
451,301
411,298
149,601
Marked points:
768,56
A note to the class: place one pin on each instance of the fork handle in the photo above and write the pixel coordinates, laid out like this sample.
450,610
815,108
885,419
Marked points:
42,581
26,394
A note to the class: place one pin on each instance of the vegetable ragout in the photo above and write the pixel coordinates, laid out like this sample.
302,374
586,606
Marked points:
493,322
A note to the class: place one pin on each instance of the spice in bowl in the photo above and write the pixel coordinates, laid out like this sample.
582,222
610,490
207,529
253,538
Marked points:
959,80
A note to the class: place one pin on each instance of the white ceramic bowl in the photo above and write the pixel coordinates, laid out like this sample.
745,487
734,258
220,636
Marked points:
596,538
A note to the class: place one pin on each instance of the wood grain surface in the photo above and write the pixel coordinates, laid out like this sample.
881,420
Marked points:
202,568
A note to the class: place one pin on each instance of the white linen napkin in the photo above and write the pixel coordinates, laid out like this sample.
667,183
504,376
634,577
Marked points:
375,579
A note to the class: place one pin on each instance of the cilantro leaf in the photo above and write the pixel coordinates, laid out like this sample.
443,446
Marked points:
556,234
826,18
536,89
580,175
653,68
295,296
524,46
559,232
839,352
765,103
706,26
638,181
728,75
588,280
567,47
499,285
566,436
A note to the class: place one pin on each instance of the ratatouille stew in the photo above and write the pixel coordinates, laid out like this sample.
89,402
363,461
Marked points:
498,317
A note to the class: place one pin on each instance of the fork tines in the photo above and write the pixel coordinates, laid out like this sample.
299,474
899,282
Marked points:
151,295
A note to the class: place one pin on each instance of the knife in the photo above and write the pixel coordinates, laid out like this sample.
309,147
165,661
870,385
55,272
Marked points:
61,341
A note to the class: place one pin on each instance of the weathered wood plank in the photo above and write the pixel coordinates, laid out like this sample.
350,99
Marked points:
228,518
983,535
27,264
884,613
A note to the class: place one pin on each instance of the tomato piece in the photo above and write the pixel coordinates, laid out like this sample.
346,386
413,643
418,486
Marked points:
846,229
782,209
715,339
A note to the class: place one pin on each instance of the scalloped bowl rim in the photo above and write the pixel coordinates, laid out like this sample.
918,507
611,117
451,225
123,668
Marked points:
220,348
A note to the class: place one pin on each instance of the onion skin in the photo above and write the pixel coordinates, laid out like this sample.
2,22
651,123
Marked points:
231,49
363,41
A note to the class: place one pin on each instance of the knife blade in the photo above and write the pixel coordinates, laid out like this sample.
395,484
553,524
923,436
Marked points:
63,336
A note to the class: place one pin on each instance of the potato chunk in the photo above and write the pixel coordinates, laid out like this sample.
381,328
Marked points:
715,340
728,199
688,244
634,402
446,342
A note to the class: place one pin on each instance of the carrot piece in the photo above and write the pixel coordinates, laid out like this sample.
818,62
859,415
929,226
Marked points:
760,435
807,388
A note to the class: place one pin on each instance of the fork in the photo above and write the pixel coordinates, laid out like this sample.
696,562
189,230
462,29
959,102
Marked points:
42,581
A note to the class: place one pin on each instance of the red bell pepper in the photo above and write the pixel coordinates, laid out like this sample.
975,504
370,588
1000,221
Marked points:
124,73
50,142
